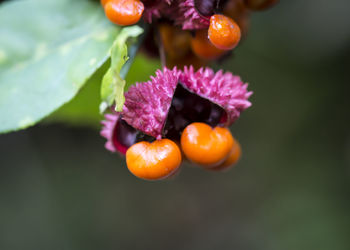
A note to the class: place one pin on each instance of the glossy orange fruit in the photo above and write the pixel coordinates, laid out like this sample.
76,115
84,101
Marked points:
205,145
223,32
232,159
124,12
153,161
203,48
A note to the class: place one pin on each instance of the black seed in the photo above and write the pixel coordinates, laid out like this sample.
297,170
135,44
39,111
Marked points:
126,136
209,7
215,116
205,7
186,108
143,137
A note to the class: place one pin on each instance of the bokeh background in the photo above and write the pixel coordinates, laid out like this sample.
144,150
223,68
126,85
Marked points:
60,189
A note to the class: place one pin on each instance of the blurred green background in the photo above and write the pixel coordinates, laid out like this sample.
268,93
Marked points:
60,189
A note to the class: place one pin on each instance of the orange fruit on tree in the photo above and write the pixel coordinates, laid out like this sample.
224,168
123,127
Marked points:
232,159
203,48
205,145
124,12
153,161
223,32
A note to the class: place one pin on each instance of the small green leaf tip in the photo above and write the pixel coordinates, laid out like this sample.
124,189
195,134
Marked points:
113,84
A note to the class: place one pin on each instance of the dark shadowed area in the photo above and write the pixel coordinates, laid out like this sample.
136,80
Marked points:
60,188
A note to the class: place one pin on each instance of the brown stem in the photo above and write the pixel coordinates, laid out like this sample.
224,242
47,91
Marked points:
162,54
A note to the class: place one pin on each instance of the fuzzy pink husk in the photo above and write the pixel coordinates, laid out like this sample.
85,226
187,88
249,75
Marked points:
109,125
147,104
156,10
224,89
188,17
182,12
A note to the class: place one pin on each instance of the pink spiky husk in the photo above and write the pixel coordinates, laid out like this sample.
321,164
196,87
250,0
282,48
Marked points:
225,89
108,130
182,12
147,104
155,9
188,16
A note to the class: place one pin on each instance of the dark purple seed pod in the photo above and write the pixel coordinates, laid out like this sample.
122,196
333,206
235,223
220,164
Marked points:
224,89
185,13
173,99
205,7
154,9
190,17
195,14
119,134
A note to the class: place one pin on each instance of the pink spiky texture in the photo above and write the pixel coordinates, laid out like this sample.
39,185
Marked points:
147,104
182,12
225,89
108,129
155,9
188,16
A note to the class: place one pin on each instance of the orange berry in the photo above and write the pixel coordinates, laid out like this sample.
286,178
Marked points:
124,12
232,159
176,41
203,48
153,161
223,32
205,145
260,4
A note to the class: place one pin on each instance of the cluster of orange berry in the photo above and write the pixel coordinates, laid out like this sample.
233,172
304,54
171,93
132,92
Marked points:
211,148
191,31
181,113
178,114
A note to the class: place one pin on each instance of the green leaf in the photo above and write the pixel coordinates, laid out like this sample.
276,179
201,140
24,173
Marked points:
108,90
113,84
83,109
48,50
